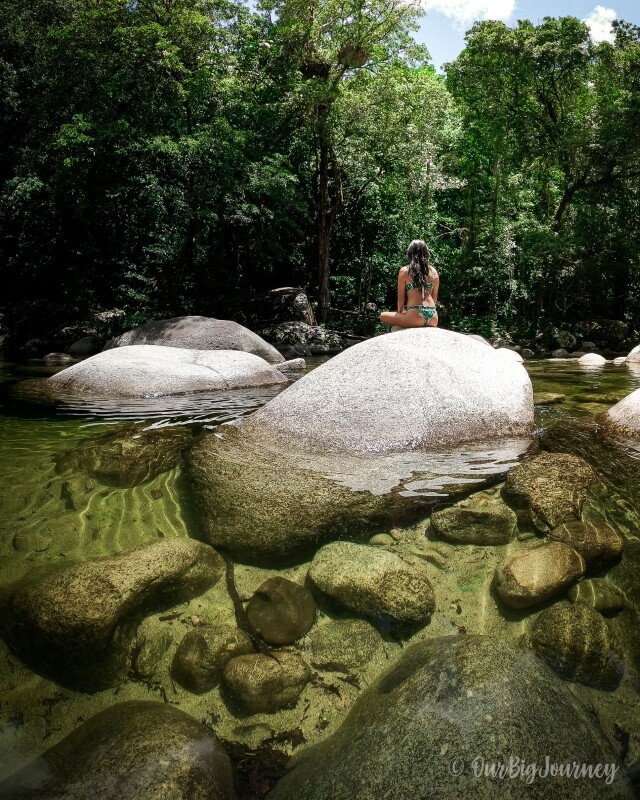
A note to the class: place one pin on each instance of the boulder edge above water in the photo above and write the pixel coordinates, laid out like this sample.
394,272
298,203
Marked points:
198,333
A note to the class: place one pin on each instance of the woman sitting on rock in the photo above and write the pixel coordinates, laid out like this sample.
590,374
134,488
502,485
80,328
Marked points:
418,285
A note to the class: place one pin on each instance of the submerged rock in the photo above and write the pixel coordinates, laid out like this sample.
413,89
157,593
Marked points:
548,398
537,574
281,611
374,582
267,683
446,710
149,649
198,333
578,644
132,751
344,645
599,594
143,371
203,654
597,543
481,519
127,456
550,488
77,622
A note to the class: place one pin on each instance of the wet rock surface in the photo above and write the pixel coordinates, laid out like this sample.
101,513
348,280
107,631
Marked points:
481,519
266,683
198,333
550,488
78,621
537,574
281,611
472,698
596,543
578,644
126,457
374,582
204,652
625,415
132,751
159,371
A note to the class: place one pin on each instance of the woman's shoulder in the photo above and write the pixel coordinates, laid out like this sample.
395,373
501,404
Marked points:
433,271
403,270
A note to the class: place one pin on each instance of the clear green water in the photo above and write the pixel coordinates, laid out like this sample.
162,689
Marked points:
51,518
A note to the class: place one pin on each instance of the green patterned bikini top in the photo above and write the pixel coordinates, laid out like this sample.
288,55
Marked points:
428,286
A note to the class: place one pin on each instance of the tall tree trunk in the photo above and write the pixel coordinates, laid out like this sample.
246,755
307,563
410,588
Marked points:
324,222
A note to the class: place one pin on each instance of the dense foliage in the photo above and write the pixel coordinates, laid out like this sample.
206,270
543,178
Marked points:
185,156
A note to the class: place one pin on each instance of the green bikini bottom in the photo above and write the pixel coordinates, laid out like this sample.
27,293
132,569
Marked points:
426,311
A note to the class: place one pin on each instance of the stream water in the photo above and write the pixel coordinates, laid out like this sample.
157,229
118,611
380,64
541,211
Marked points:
53,516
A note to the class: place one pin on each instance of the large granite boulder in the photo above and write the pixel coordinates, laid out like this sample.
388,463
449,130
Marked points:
634,355
143,371
198,333
285,304
138,750
625,415
537,574
578,644
368,439
300,339
550,489
592,360
77,622
445,714
421,387
374,582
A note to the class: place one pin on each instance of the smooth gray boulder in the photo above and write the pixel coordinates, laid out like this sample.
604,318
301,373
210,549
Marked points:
144,371
592,360
423,387
448,709
374,582
77,622
138,750
198,333
634,355
625,415
368,439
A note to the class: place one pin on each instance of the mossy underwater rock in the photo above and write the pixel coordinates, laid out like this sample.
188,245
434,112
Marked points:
132,751
281,611
77,622
198,333
203,654
127,456
537,574
550,488
599,594
144,371
336,455
578,644
374,582
267,682
597,543
447,704
481,519
343,645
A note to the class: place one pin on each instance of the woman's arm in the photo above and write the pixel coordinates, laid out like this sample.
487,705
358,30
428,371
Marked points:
402,282
436,286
